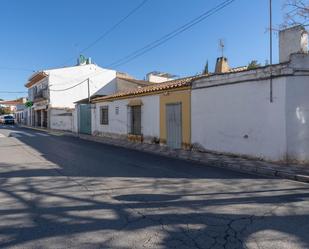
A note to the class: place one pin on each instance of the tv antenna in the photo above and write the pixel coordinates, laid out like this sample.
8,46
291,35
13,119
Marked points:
222,46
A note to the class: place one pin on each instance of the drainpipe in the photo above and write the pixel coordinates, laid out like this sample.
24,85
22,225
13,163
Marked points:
88,90
270,52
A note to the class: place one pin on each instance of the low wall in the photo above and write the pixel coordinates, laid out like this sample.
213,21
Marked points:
239,118
61,119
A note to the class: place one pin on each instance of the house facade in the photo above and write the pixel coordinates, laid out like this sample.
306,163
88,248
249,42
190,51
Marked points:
54,93
260,112
159,113
17,108
21,111
233,112
11,105
83,113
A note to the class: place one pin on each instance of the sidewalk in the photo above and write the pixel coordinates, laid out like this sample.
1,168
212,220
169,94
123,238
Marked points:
287,171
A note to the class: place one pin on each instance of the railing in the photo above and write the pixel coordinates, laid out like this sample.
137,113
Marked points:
42,94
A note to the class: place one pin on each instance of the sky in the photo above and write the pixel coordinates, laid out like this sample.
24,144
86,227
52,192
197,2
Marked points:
43,34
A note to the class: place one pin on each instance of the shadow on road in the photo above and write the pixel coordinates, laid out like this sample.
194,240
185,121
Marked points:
77,157
50,206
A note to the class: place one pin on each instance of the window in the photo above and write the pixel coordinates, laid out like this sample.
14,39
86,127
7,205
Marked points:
104,115
117,110
136,128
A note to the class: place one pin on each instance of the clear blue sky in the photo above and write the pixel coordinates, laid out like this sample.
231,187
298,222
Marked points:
38,34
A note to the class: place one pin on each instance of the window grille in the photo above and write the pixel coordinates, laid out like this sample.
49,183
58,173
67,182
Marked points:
104,115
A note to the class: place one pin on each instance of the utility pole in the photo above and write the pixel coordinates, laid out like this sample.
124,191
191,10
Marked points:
270,52
88,84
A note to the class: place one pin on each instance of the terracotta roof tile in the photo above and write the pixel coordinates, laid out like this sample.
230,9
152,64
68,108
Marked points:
11,102
237,69
155,87
140,82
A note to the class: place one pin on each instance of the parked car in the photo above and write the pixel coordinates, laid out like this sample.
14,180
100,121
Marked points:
7,119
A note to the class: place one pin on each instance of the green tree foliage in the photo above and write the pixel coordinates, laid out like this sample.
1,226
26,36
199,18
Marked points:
29,104
253,64
206,71
4,111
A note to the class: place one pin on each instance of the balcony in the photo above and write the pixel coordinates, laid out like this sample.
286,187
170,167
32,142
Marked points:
41,95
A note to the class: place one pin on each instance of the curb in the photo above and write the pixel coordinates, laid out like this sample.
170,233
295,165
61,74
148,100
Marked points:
214,162
67,133
218,163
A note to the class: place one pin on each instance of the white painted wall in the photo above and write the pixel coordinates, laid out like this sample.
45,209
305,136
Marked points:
75,120
224,112
63,78
240,119
61,119
102,81
292,40
118,123
151,116
297,112
157,79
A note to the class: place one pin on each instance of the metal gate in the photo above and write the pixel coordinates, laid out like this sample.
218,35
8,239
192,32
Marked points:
173,125
84,115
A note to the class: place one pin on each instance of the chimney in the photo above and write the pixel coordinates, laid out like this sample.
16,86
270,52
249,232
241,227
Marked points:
292,40
222,65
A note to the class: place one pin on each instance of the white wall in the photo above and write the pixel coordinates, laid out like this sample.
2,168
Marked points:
297,112
157,79
151,116
61,119
75,120
63,78
240,119
292,40
118,124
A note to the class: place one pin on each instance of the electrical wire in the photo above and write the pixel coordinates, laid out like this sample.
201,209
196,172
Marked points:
66,89
170,35
8,92
111,29
159,41
16,69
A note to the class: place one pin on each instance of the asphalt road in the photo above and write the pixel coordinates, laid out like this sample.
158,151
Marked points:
58,191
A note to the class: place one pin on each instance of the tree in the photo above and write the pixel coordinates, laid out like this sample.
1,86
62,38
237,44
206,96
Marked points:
205,71
296,13
4,111
253,65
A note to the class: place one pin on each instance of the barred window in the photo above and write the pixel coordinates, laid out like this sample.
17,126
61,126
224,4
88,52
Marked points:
104,115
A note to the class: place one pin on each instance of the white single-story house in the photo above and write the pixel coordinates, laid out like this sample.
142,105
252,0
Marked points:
151,114
260,112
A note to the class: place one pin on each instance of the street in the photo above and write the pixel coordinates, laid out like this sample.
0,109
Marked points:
59,191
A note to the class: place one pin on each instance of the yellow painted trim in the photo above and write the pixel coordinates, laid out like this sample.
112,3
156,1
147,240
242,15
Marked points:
183,97
143,94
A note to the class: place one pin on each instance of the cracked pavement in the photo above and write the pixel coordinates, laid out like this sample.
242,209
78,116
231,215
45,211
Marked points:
58,191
